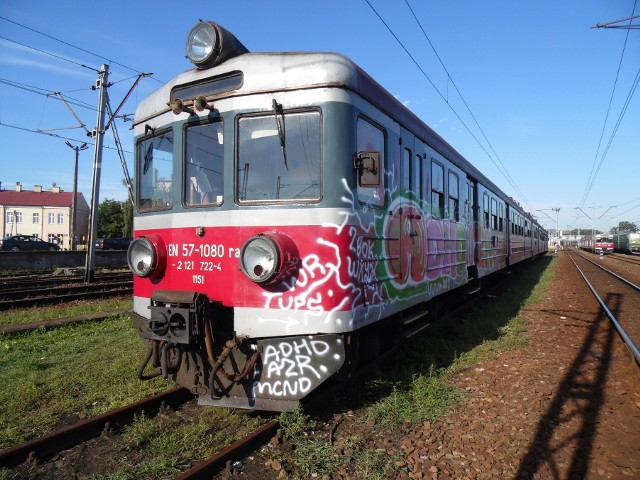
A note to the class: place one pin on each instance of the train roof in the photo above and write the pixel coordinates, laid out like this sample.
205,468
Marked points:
288,71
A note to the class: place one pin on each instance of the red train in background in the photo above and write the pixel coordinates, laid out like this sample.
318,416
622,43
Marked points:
599,243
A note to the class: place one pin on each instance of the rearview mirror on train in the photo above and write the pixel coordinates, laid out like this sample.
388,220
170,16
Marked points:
368,166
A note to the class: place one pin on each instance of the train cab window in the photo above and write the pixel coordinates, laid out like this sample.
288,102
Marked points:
155,172
494,214
371,138
454,212
204,164
278,158
437,190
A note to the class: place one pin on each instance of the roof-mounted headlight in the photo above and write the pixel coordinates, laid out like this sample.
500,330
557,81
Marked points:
208,44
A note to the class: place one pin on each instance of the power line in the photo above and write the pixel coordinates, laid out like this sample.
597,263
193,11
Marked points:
500,167
506,172
102,57
592,176
49,53
54,135
45,93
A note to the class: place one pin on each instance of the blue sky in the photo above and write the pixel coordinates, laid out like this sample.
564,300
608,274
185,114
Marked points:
536,77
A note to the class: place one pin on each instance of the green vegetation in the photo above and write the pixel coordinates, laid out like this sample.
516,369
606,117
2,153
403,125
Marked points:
39,314
56,377
172,443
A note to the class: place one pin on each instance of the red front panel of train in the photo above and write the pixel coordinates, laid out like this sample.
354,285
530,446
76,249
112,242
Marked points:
316,268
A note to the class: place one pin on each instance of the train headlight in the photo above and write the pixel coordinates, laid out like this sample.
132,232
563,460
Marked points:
209,44
146,256
201,44
260,259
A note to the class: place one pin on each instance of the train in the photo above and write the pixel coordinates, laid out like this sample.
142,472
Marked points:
293,220
627,243
599,243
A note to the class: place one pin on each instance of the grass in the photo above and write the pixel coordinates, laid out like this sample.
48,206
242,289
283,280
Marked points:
171,444
39,314
51,377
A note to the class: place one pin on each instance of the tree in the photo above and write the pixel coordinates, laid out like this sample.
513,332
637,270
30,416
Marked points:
624,227
111,219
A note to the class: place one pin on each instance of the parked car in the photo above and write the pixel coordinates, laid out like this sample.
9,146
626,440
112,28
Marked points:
112,243
25,243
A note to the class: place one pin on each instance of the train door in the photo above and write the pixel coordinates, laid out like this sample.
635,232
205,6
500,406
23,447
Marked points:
470,219
408,215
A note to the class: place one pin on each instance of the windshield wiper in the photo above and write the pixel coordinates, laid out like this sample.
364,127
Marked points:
277,109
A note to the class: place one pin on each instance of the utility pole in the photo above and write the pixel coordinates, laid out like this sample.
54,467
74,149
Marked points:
74,205
98,134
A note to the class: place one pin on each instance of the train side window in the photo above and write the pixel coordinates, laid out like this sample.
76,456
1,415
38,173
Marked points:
416,177
406,169
437,190
494,214
453,197
485,209
371,138
501,218
204,164
155,172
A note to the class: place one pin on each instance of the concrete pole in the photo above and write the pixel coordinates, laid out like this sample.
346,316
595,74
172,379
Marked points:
102,85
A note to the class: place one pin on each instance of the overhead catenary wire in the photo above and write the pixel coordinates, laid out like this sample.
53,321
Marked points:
594,171
102,57
501,168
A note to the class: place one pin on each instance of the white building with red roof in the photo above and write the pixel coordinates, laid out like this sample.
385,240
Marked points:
47,214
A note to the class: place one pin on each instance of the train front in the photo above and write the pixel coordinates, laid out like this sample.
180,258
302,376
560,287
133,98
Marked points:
241,291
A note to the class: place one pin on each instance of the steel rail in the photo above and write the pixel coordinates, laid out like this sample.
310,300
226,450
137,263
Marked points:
48,445
239,449
616,324
622,279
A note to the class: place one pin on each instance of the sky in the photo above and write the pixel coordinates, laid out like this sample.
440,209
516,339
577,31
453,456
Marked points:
535,97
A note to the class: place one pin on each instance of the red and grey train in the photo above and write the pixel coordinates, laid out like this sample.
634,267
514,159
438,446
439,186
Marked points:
293,218
599,243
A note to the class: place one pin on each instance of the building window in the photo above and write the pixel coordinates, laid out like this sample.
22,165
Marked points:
52,218
52,237
18,217
36,218
61,218
9,217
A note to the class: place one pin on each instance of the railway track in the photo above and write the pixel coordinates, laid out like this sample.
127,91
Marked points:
618,297
15,284
37,297
44,447
621,257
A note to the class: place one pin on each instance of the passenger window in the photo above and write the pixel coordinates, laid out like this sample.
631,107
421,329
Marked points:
485,205
500,219
437,190
370,138
453,197
406,169
416,177
494,214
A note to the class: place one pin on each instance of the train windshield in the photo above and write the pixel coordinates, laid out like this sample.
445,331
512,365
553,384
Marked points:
204,165
155,172
278,158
